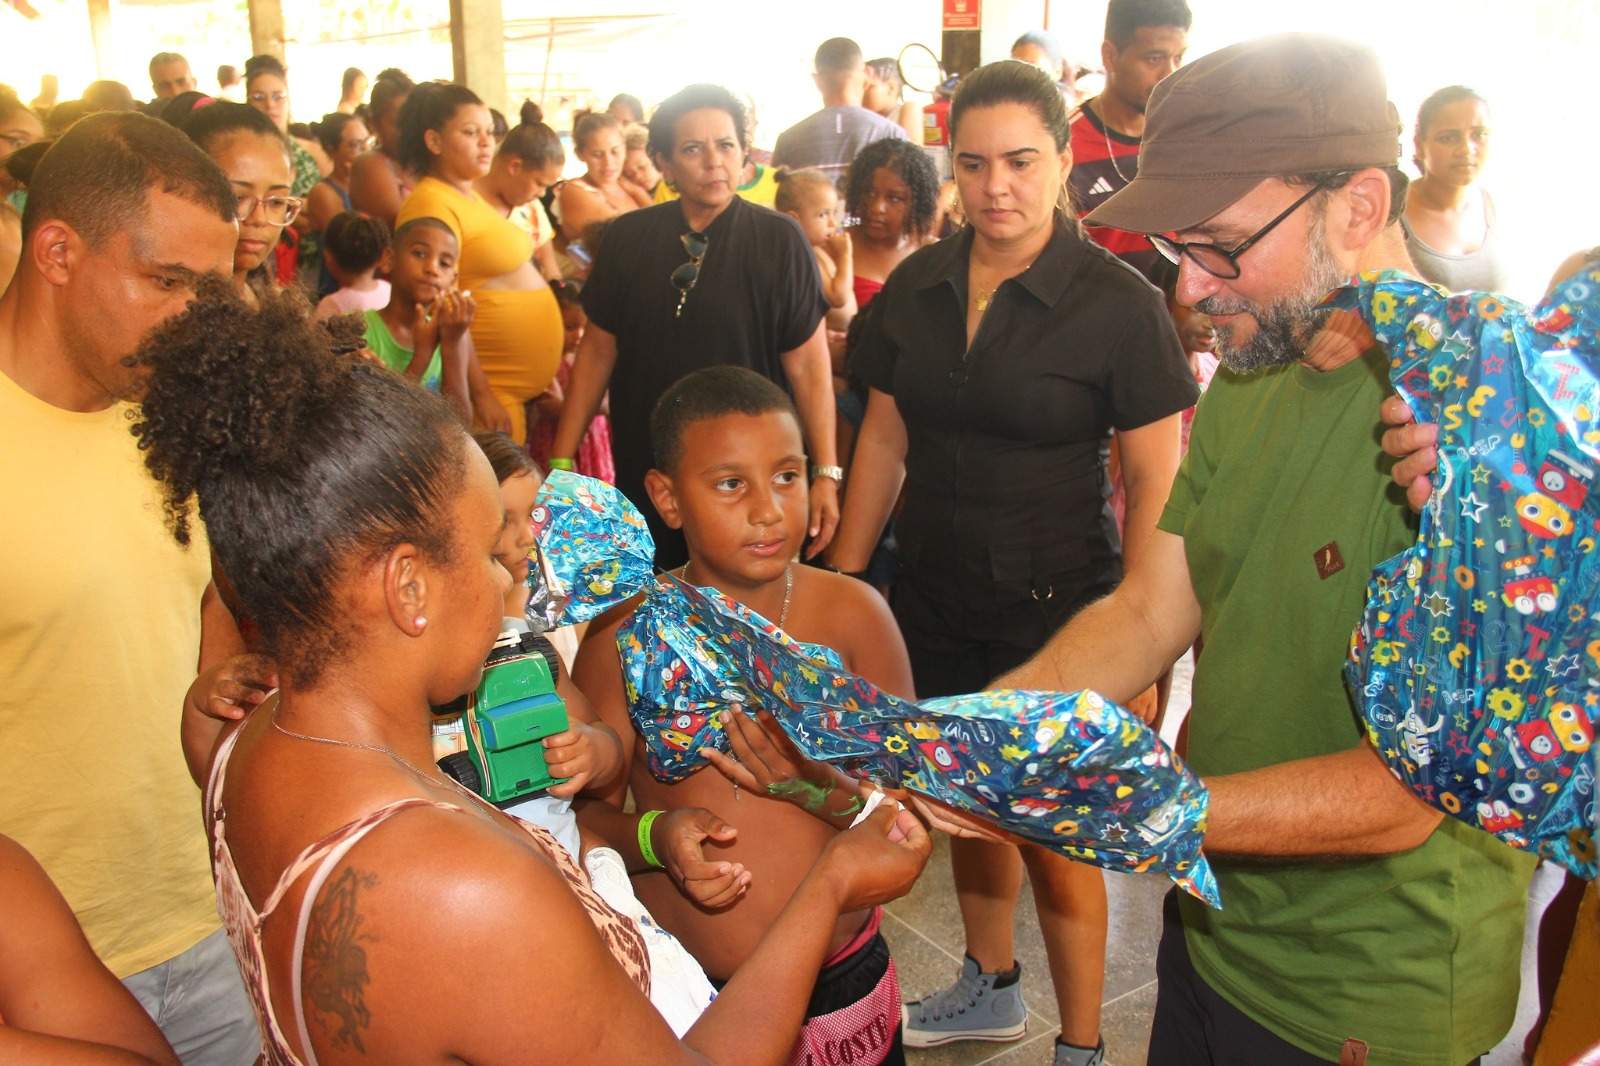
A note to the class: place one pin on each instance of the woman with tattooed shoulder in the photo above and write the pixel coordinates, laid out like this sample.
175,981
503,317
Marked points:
380,912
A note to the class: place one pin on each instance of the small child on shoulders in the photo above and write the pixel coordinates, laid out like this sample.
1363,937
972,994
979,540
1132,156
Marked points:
731,473
810,198
355,249
421,331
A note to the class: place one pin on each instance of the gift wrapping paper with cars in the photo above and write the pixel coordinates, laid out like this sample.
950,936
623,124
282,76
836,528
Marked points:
1476,666
1071,771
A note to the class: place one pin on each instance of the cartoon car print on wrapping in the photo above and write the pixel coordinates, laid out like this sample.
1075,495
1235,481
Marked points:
1476,664
595,542
1073,772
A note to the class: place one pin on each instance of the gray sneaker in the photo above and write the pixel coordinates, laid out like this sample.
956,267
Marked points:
1073,1056
971,1009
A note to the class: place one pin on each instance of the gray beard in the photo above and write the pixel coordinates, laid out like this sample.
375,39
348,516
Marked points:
1284,328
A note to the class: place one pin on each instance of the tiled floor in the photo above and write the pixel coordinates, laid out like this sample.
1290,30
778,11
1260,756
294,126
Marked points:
924,933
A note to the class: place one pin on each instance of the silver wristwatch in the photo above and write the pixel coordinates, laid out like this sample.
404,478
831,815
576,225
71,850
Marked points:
834,472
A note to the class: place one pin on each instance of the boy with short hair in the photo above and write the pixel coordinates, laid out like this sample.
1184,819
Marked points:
730,471
422,331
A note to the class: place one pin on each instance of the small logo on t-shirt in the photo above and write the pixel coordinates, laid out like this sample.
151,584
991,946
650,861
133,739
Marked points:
1101,188
1329,561
1353,1053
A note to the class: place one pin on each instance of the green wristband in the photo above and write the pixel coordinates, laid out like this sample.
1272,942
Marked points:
646,852
559,463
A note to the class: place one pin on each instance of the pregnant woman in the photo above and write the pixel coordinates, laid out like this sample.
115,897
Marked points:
446,136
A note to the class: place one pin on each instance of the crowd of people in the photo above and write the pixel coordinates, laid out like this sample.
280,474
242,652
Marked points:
292,390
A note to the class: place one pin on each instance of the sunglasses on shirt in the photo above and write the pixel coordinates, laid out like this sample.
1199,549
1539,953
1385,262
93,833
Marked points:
686,275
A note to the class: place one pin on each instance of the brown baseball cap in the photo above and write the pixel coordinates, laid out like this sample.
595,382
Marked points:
1296,103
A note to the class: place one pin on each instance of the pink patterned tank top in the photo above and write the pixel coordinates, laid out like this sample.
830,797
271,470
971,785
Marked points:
244,922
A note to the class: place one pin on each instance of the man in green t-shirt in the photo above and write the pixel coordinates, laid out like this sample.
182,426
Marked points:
1358,926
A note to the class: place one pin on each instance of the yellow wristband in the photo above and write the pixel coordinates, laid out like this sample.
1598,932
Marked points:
646,852
559,463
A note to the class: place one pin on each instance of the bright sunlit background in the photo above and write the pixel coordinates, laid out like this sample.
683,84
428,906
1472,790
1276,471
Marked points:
1531,59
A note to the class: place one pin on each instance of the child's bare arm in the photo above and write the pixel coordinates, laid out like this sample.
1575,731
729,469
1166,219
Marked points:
597,673
588,752
841,287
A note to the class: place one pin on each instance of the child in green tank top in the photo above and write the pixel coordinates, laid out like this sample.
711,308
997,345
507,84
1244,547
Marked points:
422,332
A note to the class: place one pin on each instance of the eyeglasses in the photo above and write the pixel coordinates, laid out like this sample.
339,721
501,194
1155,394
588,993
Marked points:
685,276
263,97
279,210
362,145
1216,260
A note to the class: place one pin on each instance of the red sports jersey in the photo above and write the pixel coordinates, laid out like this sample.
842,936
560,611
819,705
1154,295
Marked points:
1103,162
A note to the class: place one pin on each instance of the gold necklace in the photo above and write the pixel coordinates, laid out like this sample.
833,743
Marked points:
984,299
788,589
405,763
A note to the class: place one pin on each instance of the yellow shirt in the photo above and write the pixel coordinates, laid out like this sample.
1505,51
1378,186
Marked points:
763,188
491,244
99,641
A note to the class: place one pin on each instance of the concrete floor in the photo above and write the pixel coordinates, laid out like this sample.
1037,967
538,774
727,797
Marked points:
924,933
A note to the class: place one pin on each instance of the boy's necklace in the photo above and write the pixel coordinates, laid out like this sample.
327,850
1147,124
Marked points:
788,589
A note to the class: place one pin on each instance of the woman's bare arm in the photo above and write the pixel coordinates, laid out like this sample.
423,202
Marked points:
876,472
374,189
537,983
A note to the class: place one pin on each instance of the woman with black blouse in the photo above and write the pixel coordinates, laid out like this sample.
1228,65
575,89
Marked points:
1000,361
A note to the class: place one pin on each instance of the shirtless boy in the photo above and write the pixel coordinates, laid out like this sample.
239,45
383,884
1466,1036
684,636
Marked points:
731,473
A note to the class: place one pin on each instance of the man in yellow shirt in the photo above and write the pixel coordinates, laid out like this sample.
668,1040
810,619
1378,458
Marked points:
105,620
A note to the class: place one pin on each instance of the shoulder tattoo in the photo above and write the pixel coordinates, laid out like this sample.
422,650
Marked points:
335,963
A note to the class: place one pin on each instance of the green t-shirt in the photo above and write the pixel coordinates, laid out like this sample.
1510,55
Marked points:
396,358
1416,954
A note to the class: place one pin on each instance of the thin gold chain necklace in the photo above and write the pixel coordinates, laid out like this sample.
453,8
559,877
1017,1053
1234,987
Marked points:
788,589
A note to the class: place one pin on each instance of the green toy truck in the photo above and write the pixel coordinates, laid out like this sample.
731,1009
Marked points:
506,719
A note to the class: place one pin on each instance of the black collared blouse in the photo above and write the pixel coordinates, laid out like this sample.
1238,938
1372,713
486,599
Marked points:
1007,443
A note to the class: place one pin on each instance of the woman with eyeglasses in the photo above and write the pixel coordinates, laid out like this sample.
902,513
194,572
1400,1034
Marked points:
1450,218
707,279
446,136
344,138
255,157
999,362
266,88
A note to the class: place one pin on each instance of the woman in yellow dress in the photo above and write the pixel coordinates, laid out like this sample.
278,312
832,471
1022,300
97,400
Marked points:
446,136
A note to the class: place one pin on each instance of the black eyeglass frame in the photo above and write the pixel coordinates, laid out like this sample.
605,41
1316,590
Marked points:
1175,251
685,276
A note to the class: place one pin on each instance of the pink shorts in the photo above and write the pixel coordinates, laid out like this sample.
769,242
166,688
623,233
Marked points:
853,1018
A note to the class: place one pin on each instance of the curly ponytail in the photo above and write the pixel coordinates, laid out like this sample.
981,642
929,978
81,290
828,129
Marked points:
306,462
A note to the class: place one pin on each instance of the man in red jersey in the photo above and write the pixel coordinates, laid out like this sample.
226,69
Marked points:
1145,41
